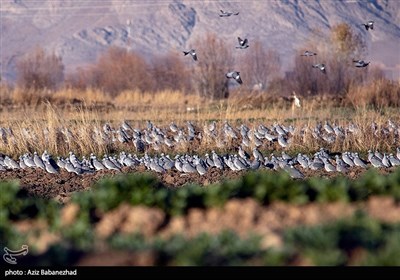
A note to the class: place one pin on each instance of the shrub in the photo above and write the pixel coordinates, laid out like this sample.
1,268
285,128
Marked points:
39,70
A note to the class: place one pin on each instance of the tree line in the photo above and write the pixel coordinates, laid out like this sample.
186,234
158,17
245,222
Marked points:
118,69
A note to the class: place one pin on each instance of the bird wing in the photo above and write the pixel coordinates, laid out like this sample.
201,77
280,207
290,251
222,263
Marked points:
229,74
245,42
237,77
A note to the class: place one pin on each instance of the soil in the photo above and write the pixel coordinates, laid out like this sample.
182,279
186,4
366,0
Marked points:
243,216
39,183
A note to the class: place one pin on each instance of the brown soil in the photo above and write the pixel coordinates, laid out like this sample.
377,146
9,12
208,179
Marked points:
42,184
243,216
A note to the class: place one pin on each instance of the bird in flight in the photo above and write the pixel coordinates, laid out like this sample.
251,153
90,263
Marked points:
192,52
369,25
234,75
308,53
361,63
320,66
243,44
227,14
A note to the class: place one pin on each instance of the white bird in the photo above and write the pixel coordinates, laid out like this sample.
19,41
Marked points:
296,100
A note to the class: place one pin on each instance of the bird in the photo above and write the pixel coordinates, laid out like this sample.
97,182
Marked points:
227,14
235,75
361,63
321,67
296,100
192,52
244,43
369,25
308,53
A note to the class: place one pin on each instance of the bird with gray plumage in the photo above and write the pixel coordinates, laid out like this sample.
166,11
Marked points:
234,75
257,154
38,161
50,168
109,164
282,141
347,158
227,14
293,172
369,25
308,53
341,166
361,63
28,160
329,167
96,163
243,43
192,53
385,161
359,161
21,163
11,163
320,66
201,167
375,161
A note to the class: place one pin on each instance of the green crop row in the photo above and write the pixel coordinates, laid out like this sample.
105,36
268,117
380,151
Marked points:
336,243
265,187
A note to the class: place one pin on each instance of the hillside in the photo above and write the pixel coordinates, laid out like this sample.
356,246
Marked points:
80,30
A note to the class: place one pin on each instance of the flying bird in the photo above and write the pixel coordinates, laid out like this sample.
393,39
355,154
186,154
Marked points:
234,75
308,53
369,25
243,44
320,67
227,14
192,52
361,63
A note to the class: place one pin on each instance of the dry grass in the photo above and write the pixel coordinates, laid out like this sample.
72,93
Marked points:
81,112
379,93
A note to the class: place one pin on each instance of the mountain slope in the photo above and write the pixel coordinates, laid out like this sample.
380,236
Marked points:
80,30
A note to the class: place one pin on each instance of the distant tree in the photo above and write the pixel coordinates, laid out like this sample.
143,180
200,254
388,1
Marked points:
337,52
260,65
214,60
346,46
40,70
345,42
170,73
118,69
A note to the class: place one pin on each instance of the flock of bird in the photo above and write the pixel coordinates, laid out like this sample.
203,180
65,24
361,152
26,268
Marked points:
244,44
153,138
243,139
195,164
358,62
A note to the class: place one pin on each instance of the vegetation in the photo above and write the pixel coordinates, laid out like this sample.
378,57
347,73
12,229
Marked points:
337,243
265,187
39,70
